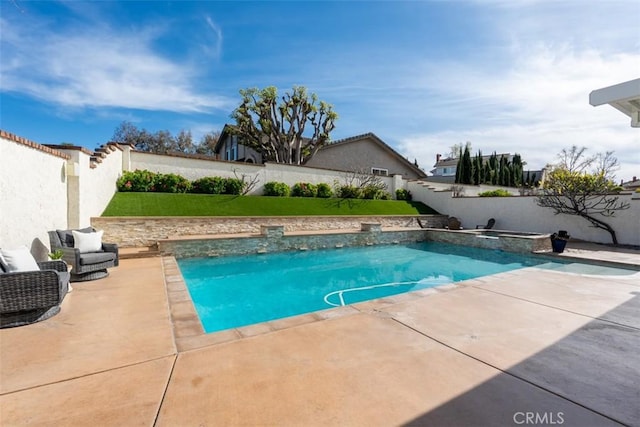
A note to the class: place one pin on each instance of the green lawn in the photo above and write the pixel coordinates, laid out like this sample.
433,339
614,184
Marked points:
168,204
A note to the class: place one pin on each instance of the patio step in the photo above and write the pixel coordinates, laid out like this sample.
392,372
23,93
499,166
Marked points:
139,252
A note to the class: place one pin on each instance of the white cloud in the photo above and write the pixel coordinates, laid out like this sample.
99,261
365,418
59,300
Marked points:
215,49
99,67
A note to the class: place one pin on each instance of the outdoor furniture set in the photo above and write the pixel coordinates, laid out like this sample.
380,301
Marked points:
33,291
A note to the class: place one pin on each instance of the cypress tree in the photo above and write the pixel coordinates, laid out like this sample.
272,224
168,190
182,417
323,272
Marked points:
467,169
517,171
459,167
493,166
501,171
478,171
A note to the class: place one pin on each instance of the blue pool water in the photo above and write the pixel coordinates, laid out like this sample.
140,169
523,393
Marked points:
230,292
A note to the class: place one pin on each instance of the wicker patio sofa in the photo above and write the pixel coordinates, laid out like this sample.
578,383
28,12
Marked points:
31,296
85,266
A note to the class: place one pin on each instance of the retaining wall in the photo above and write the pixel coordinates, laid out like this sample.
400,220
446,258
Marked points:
146,231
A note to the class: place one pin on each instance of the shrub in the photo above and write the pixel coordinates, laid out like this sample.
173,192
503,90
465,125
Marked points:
372,192
233,186
274,188
402,194
304,189
495,193
324,190
138,181
208,185
349,192
170,183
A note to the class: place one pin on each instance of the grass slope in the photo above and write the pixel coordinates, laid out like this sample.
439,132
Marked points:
168,204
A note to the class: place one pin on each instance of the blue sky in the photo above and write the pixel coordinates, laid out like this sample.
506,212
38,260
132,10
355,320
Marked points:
506,75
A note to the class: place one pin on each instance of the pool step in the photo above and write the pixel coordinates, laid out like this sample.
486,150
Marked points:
139,252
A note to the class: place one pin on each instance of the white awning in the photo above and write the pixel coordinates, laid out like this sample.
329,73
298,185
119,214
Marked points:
624,97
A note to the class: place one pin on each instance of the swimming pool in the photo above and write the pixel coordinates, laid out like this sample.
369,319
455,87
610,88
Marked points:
230,292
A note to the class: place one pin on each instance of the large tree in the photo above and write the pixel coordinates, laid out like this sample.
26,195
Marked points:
584,186
275,126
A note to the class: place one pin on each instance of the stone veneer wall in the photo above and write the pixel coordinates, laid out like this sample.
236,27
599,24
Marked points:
505,242
272,239
147,231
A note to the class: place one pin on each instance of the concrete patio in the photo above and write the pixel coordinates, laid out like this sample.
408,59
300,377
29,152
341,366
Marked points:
528,344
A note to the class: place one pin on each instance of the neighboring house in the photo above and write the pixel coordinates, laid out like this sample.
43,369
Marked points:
365,153
445,167
230,149
632,185
361,153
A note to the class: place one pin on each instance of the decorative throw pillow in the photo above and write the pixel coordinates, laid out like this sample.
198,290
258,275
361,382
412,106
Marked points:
87,242
19,260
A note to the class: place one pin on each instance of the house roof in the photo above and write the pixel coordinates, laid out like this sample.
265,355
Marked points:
624,97
225,130
381,143
633,184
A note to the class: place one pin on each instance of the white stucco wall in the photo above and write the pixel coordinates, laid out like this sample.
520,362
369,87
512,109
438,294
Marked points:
190,168
96,186
523,214
33,194
197,168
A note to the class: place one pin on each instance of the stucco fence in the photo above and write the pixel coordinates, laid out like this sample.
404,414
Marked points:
146,231
521,213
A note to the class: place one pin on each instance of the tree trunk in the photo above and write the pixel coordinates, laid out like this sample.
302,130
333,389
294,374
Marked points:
602,225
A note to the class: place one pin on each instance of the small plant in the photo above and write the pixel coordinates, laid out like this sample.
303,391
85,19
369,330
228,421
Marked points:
372,192
278,189
57,254
349,192
402,194
233,186
304,189
138,181
324,191
495,193
208,185
457,190
170,183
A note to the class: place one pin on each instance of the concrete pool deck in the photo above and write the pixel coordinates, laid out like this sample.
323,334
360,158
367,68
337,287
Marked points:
528,344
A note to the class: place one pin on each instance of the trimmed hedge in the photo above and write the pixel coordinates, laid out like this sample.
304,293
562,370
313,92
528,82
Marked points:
495,193
304,189
349,192
208,185
147,181
324,191
277,189
402,194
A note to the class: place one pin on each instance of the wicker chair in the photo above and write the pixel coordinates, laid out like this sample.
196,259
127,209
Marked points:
86,266
31,296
